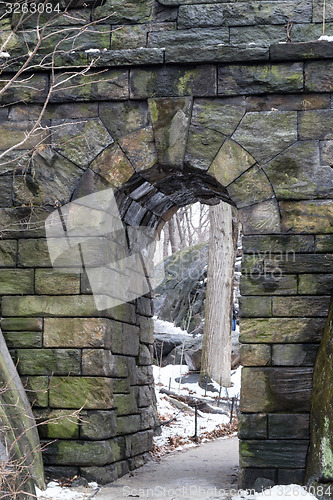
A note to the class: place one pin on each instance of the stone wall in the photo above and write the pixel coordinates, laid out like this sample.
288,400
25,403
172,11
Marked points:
258,135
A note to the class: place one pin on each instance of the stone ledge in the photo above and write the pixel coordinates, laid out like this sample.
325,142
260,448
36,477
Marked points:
218,54
300,51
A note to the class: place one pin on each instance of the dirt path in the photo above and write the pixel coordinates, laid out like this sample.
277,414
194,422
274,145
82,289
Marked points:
200,472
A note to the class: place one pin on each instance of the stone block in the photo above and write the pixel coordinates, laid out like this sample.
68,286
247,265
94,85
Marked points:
19,91
98,362
290,102
278,244
255,355
248,477
63,306
57,424
281,330
21,324
263,218
278,127
78,332
300,51
273,453
13,134
128,424
132,12
318,76
252,426
268,284
220,115
251,187
316,124
287,263
297,173
175,81
54,282
145,357
288,426
202,147
301,306
37,391
110,85
16,281
219,53
91,393
49,361
23,339
22,222
184,40
6,190
8,251
121,170
324,243
79,453
123,118
141,442
125,341
294,354
146,330
256,306
276,389
130,37
139,148
33,253
260,79
326,153
100,475
98,425
145,375
144,307
74,110
144,395
121,385
230,162
291,476
125,404
170,118
148,418
244,14
315,284
128,57
314,217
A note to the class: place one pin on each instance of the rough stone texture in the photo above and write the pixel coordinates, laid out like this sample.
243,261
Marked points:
260,79
318,79
255,355
279,244
175,81
98,425
275,390
54,282
250,188
316,124
252,426
313,284
281,330
33,253
113,165
230,162
76,392
288,426
279,128
16,281
306,217
263,218
268,284
48,361
301,306
294,355
90,332
277,453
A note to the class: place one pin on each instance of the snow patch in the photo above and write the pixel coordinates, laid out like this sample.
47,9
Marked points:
161,326
4,54
92,51
327,38
56,492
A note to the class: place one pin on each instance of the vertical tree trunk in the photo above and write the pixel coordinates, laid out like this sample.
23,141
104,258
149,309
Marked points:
166,241
216,352
172,235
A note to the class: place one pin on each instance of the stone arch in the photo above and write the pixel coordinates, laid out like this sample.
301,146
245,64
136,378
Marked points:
160,154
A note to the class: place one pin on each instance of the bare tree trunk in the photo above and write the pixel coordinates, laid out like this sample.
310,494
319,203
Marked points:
180,230
172,235
166,241
216,352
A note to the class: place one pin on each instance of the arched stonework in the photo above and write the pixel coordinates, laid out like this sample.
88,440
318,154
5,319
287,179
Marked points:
167,125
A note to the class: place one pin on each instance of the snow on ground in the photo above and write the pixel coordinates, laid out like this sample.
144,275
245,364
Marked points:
56,492
179,432
161,326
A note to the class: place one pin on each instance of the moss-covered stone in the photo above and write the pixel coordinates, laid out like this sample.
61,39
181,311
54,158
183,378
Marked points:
278,244
13,134
37,391
316,124
300,306
250,188
262,218
57,424
320,457
324,243
54,282
170,118
98,362
131,12
48,361
281,330
76,392
297,173
255,355
314,217
128,424
139,147
82,453
279,128
275,389
33,253
23,339
98,425
315,284
231,161
80,141
268,284
202,147
174,81
14,281
22,324
125,404
113,165
19,91
318,77
273,453
256,306
78,332
23,222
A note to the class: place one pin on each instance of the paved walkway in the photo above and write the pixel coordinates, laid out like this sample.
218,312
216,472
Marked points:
208,471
